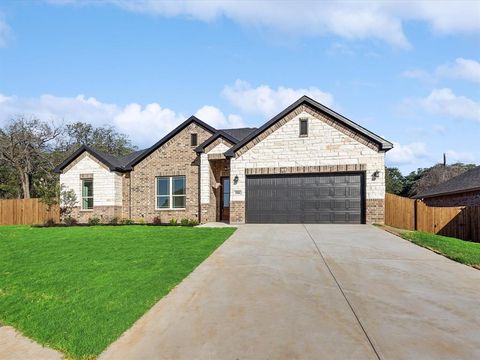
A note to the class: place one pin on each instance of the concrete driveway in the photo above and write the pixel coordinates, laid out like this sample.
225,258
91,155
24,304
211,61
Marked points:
314,292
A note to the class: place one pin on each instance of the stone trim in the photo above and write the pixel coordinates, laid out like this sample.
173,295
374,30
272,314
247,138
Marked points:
82,156
306,169
216,157
217,142
308,109
86,176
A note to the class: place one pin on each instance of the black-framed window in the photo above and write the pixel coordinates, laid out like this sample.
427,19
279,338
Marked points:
303,130
170,192
193,140
87,194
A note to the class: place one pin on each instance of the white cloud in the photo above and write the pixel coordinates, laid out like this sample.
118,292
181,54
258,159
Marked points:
418,74
217,118
459,156
464,69
445,102
406,154
266,101
144,124
5,32
353,20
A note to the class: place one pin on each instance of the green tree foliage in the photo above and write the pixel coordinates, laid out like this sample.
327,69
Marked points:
30,148
394,181
105,139
421,179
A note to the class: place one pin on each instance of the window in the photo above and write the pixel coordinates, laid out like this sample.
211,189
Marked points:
303,127
170,192
193,140
87,194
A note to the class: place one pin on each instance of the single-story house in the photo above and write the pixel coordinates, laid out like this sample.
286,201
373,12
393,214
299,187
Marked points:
308,164
462,190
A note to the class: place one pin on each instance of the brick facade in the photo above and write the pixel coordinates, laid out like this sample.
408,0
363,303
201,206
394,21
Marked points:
175,157
470,198
104,213
375,211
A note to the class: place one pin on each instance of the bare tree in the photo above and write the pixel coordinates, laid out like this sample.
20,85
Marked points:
25,145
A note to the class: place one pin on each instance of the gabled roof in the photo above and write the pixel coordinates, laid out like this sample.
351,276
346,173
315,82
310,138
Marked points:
382,143
468,181
125,163
171,134
231,135
114,163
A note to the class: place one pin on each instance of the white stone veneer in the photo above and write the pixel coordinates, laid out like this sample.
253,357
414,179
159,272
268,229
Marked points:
324,145
107,185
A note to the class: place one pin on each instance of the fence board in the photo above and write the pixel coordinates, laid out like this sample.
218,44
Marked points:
459,222
27,212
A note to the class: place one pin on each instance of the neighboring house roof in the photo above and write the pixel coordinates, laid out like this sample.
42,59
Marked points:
114,163
231,135
382,143
167,137
468,181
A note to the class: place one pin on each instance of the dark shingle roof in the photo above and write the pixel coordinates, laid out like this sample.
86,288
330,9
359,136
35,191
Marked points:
114,163
231,135
468,181
240,133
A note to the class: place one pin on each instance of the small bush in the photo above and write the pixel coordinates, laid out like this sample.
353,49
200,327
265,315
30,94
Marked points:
113,221
70,221
94,220
49,223
156,220
140,221
173,221
127,222
192,222
184,222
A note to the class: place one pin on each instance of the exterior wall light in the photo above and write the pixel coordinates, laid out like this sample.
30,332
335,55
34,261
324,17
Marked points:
376,175
235,179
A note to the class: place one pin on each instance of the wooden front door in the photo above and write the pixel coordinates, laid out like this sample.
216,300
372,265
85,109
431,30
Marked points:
225,199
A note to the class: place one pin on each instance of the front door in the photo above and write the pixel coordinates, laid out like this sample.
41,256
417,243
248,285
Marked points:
225,200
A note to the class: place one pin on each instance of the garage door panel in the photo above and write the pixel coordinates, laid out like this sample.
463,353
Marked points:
305,198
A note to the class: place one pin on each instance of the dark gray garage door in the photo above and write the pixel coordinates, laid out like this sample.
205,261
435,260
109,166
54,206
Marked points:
305,198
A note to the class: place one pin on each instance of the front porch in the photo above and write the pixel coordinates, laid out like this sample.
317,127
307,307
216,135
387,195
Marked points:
214,188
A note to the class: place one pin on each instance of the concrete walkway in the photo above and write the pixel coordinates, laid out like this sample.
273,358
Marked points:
314,292
15,346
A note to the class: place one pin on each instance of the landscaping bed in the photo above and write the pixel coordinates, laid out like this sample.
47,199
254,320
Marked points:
77,289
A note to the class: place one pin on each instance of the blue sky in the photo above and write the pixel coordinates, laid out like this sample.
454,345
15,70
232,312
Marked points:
409,71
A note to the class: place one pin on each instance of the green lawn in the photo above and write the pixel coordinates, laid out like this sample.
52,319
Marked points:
78,289
462,251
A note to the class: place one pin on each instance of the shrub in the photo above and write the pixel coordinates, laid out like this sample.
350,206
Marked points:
156,220
49,222
192,222
70,221
94,220
113,221
173,221
68,200
184,222
127,222
140,221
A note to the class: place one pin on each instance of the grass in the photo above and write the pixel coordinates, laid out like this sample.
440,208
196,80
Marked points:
78,289
464,252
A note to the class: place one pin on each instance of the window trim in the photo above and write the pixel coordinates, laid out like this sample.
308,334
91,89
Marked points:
170,195
302,120
192,135
86,197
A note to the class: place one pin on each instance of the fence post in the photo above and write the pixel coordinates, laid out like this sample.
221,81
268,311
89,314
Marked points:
415,215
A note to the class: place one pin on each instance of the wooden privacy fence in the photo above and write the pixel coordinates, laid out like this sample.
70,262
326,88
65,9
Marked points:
459,222
27,212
